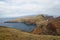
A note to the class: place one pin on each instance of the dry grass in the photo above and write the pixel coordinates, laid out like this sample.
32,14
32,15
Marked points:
13,34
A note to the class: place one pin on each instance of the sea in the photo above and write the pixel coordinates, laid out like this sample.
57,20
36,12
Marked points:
18,26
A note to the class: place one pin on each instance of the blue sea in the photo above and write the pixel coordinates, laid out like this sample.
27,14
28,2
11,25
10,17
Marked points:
19,26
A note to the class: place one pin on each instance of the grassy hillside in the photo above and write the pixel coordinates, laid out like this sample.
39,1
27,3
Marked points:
13,34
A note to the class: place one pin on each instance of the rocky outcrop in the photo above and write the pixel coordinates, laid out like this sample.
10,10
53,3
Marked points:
41,29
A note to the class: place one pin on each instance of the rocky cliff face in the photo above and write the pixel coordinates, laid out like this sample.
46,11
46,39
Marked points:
41,23
50,27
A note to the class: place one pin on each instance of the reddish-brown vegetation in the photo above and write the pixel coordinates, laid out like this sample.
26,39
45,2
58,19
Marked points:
51,28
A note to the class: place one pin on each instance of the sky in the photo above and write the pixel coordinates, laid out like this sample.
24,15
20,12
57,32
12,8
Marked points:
17,8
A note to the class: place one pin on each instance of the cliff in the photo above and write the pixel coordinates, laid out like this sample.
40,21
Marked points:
50,27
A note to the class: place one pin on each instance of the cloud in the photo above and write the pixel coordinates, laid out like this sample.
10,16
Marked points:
8,8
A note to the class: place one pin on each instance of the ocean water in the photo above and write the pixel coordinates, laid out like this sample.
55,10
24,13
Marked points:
19,26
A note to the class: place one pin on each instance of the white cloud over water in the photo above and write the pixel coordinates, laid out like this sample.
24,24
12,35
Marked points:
15,8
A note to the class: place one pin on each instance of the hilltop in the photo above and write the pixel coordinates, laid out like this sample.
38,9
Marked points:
13,34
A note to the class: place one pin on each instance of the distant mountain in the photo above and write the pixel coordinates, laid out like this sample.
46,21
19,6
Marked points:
6,19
